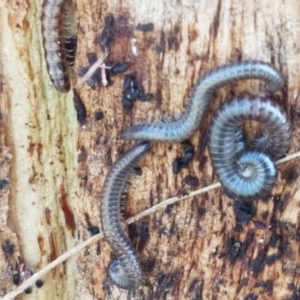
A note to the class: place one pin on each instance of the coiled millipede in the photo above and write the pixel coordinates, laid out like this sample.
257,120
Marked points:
248,171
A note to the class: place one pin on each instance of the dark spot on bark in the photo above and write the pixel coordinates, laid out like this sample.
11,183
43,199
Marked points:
245,281
106,288
138,171
8,249
233,249
165,284
149,265
276,199
191,180
91,57
291,286
266,285
168,210
144,235
39,283
257,265
140,233
107,35
275,237
132,91
259,224
270,259
292,175
196,287
146,97
93,229
201,210
80,109
176,165
28,290
145,27
98,115
251,296
127,103
119,68
243,211
3,183
174,231
173,43
16,278
296,294
82,71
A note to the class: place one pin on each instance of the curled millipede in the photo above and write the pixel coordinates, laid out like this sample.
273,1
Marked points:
56,23
125,271
248,171
188,123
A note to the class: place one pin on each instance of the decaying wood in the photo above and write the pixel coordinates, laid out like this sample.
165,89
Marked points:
203,248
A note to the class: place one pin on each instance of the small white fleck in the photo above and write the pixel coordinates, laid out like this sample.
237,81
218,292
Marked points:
260,241
134,47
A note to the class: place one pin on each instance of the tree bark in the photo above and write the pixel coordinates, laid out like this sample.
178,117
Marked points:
202,248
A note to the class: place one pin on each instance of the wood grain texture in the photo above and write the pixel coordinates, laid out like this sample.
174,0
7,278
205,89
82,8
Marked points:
43,167
196,249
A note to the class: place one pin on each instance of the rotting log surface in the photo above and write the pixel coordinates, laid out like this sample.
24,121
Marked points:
202,248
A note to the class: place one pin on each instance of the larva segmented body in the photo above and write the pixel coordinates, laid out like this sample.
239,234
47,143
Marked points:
125,271
248,173
188,123
54,22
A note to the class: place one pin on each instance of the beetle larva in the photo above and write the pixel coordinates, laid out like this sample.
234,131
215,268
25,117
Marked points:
188,123
125,271
248,172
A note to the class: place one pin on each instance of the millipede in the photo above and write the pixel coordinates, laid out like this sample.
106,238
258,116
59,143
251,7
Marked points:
187,124
58,42
125,271
248,171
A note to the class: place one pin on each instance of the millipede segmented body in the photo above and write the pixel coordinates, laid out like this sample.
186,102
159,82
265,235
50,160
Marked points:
125,271
70,48
188,123
55,23
248,171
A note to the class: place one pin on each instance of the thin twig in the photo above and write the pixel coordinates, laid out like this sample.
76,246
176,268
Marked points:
98,64
95,238
287,158
27,283
169,201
